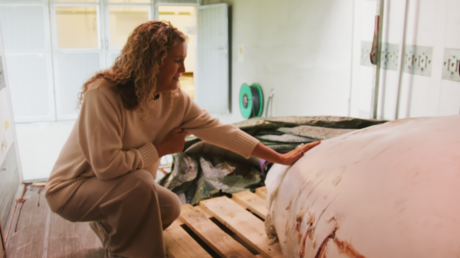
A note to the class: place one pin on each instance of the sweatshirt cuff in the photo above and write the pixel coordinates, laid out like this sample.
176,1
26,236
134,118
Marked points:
149,155
244,144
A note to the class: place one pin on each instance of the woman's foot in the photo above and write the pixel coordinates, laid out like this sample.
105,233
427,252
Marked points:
100,231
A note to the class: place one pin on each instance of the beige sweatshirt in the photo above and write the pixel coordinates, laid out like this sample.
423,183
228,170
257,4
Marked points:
108,141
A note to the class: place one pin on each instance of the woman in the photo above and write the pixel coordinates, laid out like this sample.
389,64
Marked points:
132,115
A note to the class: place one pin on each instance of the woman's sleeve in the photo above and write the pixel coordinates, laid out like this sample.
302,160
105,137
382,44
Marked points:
100,139
200,123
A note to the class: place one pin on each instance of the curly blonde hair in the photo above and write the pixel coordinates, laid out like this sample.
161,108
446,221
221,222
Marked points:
135,71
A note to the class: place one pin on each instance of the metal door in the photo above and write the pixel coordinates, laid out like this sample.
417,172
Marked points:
212,70
121,17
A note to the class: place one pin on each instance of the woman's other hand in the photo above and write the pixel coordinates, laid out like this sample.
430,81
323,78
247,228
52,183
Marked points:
173,142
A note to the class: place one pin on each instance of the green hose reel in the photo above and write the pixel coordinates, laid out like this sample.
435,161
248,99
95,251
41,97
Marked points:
251,100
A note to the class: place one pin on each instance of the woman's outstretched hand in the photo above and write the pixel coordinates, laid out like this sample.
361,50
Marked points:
173,142
292,156
263,152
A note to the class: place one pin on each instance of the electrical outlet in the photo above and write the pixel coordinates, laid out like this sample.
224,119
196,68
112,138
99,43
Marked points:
366,48
417,60
452,64
390,56
451,67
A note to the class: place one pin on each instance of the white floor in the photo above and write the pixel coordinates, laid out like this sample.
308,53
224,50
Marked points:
40,144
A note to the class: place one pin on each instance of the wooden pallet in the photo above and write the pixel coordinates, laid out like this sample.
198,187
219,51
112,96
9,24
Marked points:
222,227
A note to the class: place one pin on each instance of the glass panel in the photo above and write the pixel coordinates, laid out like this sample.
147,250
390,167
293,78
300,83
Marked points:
23,1
30,95
77,26
23,27
73,70
77,1
184,19
177,1
123,20
113,56
130,1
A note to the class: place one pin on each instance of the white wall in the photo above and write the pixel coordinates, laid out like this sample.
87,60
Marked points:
301,49
309,52
6,125
7,136
430,23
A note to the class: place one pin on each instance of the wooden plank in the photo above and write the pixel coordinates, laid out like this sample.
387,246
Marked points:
180,244
39,184
71,239
28,240
203,211
243,223
212,235
253,202
262,192
19,194
42,233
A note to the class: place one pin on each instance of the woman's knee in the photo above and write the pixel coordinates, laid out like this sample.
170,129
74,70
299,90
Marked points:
170,205
140,177
140,181
175,208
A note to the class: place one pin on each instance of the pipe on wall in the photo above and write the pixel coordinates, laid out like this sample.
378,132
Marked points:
411,83
401,60
351,66
375,92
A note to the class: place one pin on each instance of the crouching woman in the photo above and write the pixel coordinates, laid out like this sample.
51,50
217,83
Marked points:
131,115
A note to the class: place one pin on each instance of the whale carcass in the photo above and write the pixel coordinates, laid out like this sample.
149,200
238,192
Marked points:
389,190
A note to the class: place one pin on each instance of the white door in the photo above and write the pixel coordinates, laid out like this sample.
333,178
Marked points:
183,17
26,36
121,17
77,49
212,70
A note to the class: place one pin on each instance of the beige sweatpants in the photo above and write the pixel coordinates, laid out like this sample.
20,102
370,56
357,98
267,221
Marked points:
133,209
